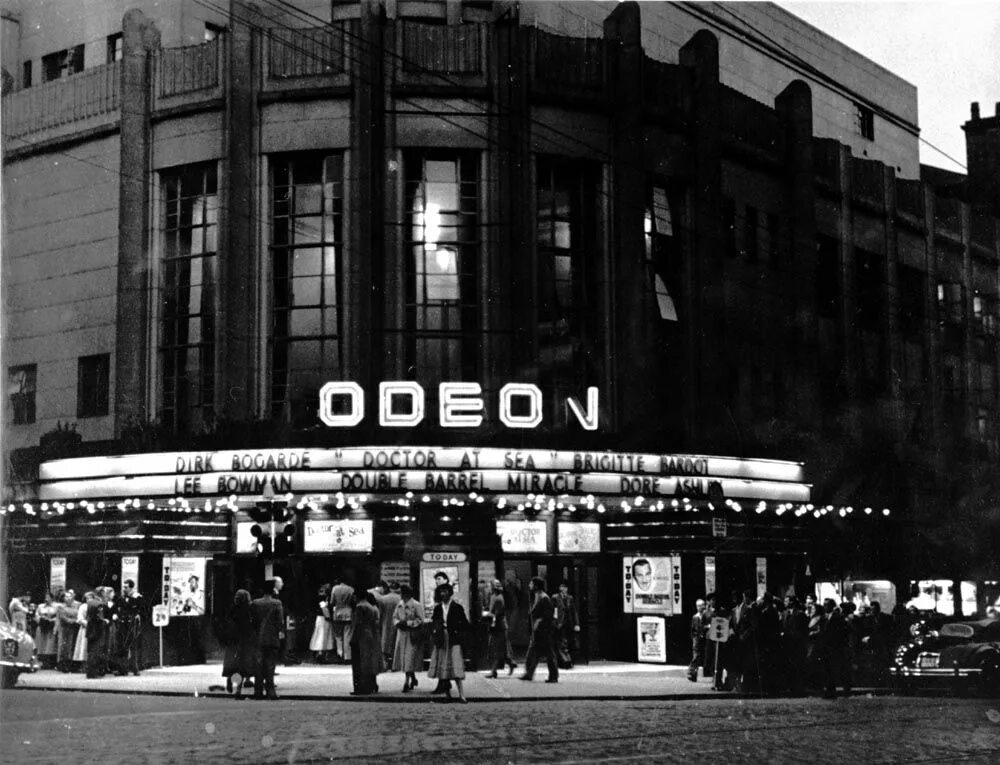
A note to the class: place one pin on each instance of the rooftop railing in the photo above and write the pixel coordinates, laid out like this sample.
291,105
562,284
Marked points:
90,93
187,69
453,49
306,52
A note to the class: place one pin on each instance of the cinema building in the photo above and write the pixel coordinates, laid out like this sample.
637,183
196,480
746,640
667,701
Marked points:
376,289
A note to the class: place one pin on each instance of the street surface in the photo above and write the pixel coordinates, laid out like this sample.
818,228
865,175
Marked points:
62,727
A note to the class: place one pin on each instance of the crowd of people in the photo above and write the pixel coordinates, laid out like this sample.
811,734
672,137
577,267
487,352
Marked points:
778,646
386,628
99,635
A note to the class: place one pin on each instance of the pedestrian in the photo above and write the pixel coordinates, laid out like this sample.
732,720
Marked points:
132,617
542,623
45,632
448,627
794,643
66,627
835,651
80,647
18,610
387,598
267,619
745,647
96,631
498,647
567,625
341,611
440,578
322,635
408,656
768,642
698,631
367,661
240,660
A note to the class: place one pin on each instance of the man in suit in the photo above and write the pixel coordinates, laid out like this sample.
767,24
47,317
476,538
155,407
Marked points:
699,630
567,624
132,614
268,620
542,619
341,612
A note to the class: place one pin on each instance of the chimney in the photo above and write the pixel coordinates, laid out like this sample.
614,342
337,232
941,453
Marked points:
982,143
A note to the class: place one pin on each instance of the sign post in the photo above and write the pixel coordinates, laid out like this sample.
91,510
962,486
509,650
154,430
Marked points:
718,632
161,618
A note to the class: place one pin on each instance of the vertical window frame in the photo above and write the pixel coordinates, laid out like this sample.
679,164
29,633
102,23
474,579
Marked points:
93,383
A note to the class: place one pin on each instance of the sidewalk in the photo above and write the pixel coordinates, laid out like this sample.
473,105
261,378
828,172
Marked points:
598,680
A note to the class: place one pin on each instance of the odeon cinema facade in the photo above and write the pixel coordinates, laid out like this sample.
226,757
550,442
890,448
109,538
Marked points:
452,499
392,297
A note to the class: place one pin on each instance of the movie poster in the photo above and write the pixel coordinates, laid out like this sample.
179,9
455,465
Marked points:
648,584
652,644
185,578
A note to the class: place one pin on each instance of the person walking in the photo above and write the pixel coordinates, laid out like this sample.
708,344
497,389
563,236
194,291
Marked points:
387,598
498,648
408,656
449,624
240,660
698,630
341,611
440,577
367,661
567,625
267,619
322,635
542,623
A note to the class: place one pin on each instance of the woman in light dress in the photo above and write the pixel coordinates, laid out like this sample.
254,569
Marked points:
408,656
322,636
80,650
45,634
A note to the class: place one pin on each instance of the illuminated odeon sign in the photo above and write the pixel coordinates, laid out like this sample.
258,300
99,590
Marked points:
460,405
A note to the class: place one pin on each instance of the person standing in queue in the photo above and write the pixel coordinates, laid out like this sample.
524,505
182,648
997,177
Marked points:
386,599
541,642
498,649
366,646
240,661
567,625
268,621
699,628
132,612
448,627
341,610
409,653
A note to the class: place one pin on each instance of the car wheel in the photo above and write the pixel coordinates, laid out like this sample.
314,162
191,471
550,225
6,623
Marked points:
9,677
989,678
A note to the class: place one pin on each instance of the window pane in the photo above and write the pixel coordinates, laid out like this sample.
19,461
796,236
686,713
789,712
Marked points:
307,261
306,321
307,291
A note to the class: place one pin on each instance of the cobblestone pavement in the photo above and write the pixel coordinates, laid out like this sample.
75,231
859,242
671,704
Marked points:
43,727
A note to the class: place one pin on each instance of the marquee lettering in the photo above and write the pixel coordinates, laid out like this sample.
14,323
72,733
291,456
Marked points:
460,405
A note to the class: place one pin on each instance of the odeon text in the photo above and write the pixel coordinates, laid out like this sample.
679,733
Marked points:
460,405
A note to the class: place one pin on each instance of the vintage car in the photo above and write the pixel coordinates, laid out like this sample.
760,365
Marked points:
17,652
963,654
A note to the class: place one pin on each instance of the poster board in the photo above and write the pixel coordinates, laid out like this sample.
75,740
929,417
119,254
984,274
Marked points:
579,537
57,574
184,585
395,571
458,576
651,644
523,536
337,536
648,584
130,569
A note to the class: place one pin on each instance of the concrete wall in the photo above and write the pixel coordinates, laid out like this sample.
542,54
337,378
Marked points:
59,261
762,74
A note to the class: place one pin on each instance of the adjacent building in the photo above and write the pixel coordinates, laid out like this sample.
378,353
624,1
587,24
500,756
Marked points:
647,298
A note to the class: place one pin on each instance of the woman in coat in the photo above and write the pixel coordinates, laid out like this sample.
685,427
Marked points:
322,635
408,656
499,644
96,633
80,647
240,659
448,627
45,634
366,646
